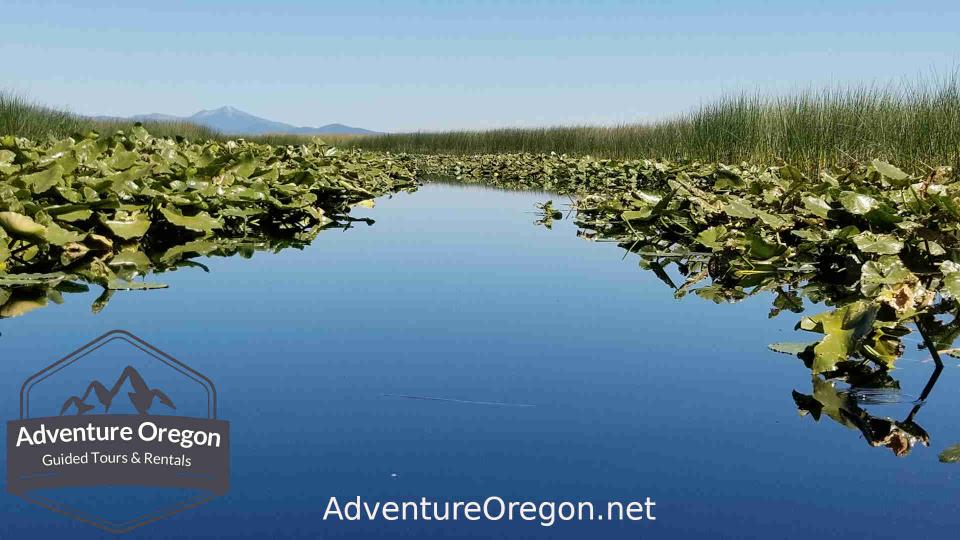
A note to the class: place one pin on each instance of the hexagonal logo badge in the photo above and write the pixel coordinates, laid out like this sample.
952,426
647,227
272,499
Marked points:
118,434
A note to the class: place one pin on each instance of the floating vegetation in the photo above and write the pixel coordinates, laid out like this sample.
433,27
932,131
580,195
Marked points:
108,210
873,242
876,246
542,172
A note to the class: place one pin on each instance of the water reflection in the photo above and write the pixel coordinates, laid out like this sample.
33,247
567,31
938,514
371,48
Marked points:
863,335
127,269
869,335
845,406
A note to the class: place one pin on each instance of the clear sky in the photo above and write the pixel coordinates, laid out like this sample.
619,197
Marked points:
403,65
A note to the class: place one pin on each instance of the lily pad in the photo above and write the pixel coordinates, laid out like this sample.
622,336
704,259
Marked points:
21,226
843,330
40,182
882,244
128,228
202,222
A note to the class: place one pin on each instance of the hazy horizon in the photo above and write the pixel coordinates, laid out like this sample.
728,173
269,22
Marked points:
410,66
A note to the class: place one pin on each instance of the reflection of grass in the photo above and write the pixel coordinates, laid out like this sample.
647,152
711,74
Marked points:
906,124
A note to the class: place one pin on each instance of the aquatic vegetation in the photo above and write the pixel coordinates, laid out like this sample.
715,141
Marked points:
844,394
874,248
21,118
873,242
107,210
543,172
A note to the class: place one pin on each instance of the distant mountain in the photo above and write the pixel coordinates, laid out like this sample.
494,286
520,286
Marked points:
233,121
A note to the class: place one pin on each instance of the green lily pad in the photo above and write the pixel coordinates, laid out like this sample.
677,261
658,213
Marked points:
128,228
888,170
882,244
40,182
201,222
843,330
60,236
858,203
21,226
884,272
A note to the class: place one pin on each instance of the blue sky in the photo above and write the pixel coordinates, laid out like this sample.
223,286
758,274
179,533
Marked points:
409,65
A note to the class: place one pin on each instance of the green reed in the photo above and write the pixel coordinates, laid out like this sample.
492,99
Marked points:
913,124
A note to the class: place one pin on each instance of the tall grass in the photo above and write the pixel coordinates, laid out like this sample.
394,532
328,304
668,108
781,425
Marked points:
25,119
19,117
914,125
284,139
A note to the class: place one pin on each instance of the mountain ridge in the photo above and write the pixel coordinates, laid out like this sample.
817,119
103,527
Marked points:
232,121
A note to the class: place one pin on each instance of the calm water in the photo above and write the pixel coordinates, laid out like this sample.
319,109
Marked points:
454,293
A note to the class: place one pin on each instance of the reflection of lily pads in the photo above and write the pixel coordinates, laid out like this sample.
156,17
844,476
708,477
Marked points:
951,455
789,348
21,280
15,307
873,243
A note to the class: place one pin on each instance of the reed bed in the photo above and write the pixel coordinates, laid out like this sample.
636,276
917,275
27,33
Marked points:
916,125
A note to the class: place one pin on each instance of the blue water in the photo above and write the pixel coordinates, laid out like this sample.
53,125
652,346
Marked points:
455,294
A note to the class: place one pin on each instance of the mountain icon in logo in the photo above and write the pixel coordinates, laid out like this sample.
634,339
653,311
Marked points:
141,398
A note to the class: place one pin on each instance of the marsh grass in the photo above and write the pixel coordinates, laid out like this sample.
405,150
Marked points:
285,139
19,117
915,125
23,118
